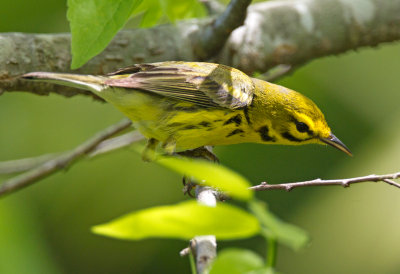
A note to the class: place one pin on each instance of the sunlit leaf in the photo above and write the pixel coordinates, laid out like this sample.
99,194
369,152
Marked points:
158,11
210,174
182,221
151,11
94,23
264,270
179,9
285,233
236,261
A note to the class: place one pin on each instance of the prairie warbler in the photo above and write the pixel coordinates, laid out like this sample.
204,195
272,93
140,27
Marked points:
189,105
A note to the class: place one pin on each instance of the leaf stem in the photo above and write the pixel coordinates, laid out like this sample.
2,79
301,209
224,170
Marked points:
192,263
272,250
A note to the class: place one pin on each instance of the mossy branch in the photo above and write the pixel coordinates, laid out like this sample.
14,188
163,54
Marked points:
274,32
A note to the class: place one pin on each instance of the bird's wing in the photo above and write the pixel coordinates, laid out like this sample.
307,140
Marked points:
204,84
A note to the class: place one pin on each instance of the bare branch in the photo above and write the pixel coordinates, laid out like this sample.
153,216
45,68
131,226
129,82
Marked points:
116,143
204,247
295,32
20,165
274,32
62,161
391,182
108,145
387,178
210,41
184,252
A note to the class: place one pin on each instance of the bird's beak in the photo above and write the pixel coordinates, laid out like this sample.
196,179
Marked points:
335,142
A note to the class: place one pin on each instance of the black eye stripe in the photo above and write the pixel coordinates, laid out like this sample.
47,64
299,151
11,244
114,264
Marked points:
302,127
290,137
264,134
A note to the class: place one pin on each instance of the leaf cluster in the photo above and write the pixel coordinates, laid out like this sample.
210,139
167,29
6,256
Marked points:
189,219
94,23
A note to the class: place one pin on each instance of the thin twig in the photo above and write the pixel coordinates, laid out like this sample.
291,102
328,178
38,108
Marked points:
20,165
387,178
184,252
204,247
62,161
116,143
214,36
108,145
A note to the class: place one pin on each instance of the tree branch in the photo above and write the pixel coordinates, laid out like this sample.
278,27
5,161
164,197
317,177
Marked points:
204,247
108,145
274,32
295,32
20,165
213,37
62,161
387,178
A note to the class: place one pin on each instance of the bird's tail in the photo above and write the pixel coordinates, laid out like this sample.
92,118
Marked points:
87,82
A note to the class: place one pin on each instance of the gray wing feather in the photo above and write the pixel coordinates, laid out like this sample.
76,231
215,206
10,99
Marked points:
204,84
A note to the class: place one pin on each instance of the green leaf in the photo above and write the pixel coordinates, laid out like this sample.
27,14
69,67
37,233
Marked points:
179,9
152,12
94,23
264,270
236,261
285,233
182,221
210,174
156,11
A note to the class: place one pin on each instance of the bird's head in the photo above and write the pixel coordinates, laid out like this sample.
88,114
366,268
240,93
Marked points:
294,119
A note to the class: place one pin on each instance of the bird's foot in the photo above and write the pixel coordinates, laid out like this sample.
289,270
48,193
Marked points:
200,153
188,186
197,153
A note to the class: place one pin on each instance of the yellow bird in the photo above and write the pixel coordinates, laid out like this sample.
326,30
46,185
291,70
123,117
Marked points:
189,105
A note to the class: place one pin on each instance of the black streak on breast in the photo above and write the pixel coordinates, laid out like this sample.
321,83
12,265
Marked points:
237,119
246,115
236,131
176,124
263,131
205,124
190,127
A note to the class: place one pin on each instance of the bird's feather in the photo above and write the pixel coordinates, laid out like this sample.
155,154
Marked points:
208,85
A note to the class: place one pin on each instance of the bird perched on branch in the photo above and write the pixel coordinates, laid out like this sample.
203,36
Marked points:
182,106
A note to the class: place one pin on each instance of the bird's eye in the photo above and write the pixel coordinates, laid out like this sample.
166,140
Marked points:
302,127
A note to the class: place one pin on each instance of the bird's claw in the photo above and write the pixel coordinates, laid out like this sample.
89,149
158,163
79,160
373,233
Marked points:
188,186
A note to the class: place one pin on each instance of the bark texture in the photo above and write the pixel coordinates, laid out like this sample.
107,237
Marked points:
274,32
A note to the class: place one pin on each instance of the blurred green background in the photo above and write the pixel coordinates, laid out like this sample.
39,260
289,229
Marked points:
46,227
